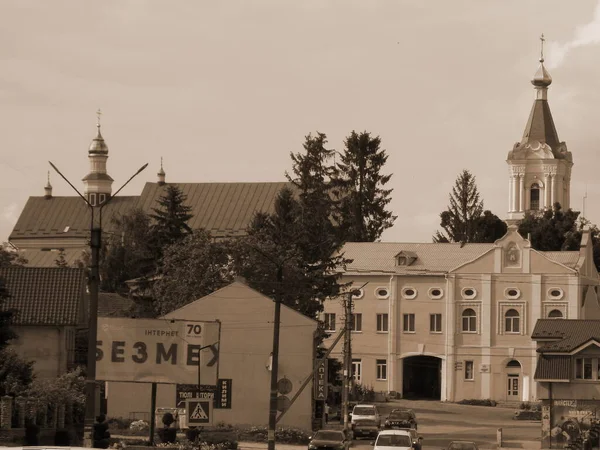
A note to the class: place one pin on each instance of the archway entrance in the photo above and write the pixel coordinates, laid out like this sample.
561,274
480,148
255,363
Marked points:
422,377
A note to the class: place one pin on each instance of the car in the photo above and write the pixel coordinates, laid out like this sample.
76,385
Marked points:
328,439
365,420
401,419
462,445
417,439
393,440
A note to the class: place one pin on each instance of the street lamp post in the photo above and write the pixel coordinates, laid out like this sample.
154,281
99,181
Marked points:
95,244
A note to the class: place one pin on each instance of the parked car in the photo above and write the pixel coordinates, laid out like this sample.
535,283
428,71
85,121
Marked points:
401,419
393,440
417,439
328,439
365,420
462,445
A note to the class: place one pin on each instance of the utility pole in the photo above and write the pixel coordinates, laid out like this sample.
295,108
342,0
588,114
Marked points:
275,362
347,359
95,246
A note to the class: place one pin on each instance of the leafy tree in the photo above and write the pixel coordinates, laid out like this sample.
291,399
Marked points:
67,389
16,374
6,316
358,182
191,268
10,257
465,219
127,254
170,219
61,260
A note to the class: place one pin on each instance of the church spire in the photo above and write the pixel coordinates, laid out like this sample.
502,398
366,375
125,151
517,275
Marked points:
161,174
48,188
97,183
542,79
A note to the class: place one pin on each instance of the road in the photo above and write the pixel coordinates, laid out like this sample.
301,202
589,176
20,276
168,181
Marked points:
440,423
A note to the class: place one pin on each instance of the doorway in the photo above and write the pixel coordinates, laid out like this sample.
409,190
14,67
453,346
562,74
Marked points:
422,377
513,380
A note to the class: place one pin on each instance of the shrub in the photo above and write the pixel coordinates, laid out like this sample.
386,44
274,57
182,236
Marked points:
360,393
139,425
119,423
284,435
477,402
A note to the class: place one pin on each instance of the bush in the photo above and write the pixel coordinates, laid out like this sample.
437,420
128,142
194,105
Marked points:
139,425
360,393
477,402
119,423
283,435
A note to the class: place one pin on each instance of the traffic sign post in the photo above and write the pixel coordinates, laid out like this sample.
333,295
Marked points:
199,412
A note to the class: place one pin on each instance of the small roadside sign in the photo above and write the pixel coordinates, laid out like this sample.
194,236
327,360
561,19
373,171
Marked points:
199,412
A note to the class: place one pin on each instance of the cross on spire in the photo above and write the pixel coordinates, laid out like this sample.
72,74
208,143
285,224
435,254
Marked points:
98,114
542,39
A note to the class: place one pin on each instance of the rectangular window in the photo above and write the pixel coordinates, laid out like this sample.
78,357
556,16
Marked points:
382,323
381,369
408,323
357,322
469,372
584,368
435,323
329,321
357,370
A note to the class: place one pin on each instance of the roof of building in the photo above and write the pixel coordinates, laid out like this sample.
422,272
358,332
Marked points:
113,305
224,209
553,368
431,257
47,258
540,126
64,217
565,335
566,258
44,295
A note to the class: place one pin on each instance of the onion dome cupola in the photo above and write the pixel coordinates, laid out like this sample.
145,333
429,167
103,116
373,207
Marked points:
539,164
97,183
161,174
48,188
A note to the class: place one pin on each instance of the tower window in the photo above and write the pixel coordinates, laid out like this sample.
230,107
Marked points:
534,199
102,198
92,199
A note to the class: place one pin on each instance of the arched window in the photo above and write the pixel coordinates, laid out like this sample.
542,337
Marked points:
469,321
513,363
511,321
555,314
534,197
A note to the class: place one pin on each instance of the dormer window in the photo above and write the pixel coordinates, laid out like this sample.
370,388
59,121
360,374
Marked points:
405,258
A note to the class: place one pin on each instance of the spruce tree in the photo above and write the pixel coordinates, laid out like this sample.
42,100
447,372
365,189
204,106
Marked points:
465,219
358,183
171,217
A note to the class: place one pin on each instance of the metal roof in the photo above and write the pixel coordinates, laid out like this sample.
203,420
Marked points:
565,335
553,368
566,258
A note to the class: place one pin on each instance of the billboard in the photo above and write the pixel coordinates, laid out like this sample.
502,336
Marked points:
157,350
563,421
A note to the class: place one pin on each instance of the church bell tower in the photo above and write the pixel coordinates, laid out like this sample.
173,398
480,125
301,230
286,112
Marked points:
539,166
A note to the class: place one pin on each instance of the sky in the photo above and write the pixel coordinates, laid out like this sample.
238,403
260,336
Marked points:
225,90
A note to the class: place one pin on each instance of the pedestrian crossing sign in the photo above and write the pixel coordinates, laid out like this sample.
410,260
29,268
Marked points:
199,412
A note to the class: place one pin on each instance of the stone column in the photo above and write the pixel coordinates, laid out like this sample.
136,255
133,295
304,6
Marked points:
521,192
546,191
510,194
21,404
6,412
515,193
552,189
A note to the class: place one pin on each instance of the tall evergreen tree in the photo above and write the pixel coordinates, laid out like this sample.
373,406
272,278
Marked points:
465,219
171,217
358,183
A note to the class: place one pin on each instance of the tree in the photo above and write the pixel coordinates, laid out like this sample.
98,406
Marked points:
16,374
191,268
170,219
6,316
61,260
465,219
67,389
358,183
127,254
10,257
551,230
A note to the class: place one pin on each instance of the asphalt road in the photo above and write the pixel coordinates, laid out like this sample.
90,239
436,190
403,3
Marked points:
440,423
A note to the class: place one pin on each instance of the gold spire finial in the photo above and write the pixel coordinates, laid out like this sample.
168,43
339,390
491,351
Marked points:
48,177
98,114
161,167
542,39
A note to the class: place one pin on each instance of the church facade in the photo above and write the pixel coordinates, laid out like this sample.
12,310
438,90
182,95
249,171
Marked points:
453,321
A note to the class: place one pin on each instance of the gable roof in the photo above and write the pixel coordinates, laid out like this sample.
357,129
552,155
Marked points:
566,258
224,209
113,305
553,368
44,295
431,258
565,335
49,217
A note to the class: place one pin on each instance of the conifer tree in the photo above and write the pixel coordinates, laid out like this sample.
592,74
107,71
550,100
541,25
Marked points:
171,217
358,183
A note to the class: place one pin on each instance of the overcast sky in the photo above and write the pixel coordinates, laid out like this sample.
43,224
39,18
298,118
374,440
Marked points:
225,90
